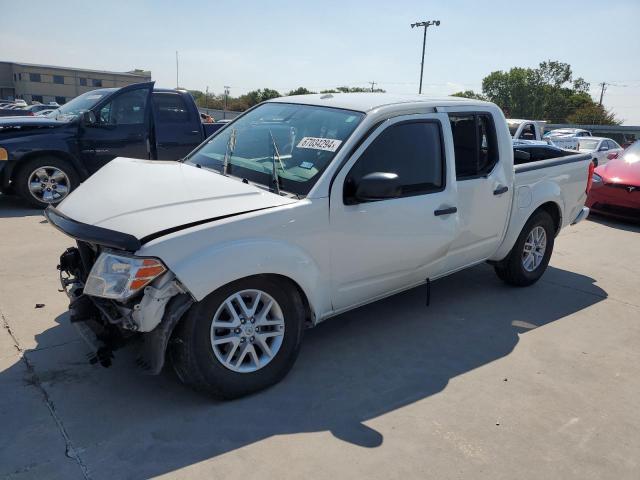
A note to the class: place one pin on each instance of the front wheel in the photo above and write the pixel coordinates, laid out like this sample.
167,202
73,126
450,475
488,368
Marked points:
46,181
529,257
241,338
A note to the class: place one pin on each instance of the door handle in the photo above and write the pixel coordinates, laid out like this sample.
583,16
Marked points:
500,190
445,211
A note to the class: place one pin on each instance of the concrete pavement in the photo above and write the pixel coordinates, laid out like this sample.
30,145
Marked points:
488,382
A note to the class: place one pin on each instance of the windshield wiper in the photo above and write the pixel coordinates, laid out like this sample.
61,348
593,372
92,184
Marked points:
274,171
231,146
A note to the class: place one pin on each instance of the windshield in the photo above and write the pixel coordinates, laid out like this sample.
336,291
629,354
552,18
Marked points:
78,105
588,144
279,145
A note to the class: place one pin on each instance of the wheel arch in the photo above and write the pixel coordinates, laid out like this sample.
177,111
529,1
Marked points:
552,207
28,157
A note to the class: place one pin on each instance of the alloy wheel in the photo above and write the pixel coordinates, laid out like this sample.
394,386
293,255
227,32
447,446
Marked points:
534,248
247,331
49,184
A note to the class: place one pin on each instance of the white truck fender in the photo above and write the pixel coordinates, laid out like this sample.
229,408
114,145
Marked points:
528,200
197,272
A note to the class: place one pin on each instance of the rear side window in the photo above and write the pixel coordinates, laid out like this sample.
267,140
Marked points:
528,132
412,150
170,108
475,144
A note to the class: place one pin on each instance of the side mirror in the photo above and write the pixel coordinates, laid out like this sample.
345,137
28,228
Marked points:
88,118
378,186
520,156
603,148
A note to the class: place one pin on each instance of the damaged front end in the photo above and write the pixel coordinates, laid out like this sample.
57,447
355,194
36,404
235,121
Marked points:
145,319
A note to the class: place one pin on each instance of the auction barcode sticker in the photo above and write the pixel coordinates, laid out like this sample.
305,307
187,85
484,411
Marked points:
328,144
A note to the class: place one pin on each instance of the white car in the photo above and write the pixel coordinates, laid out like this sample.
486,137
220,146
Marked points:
568,132
303,208
602,149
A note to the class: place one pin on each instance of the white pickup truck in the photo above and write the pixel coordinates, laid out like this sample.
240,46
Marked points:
300,209
533,131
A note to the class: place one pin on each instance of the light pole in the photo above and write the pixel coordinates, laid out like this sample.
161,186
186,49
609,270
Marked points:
426,25
226,96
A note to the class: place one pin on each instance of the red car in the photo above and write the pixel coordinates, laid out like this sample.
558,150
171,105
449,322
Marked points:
616,186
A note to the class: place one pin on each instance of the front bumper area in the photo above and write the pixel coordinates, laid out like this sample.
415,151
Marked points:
619,201
107,325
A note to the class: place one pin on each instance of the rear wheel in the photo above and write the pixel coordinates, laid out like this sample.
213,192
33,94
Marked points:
530,255
46,181
241,338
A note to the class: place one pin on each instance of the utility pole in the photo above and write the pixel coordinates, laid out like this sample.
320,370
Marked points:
426,25
177,67
206,97
226,96
373,84
604,87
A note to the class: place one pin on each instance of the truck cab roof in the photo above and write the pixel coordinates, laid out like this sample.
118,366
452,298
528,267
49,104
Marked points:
366,102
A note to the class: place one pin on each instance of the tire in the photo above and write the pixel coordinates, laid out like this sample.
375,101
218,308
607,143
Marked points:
199,364
57,173
517,268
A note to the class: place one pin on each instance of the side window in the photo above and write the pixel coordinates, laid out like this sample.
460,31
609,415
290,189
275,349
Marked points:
170,108
412,150
125,109
474,143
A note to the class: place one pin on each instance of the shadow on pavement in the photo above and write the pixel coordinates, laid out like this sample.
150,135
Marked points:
12,206
351,369
626,225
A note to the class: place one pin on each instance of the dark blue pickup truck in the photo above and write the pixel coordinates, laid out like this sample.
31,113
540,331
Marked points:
43,158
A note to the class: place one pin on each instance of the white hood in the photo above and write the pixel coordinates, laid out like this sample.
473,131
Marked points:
142,197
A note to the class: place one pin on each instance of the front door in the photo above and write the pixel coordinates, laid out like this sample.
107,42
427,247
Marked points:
387,245
178,128
121,128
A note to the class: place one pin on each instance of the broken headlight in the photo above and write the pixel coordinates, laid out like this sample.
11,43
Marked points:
118,277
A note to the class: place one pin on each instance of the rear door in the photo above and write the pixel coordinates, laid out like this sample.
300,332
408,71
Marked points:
484,176
122,127
382,246
177,125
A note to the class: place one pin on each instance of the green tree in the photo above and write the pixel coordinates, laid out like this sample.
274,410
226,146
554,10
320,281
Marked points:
300,91
469,94
548,92
592,114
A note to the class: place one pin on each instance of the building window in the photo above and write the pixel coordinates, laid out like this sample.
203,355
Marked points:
15,77
96,82
61,100
58,79
83,82
34,77
20,76
36,98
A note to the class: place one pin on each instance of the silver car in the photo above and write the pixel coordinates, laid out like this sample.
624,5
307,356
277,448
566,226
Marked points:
602,149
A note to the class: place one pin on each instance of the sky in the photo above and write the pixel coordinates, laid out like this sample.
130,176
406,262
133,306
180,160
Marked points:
285,44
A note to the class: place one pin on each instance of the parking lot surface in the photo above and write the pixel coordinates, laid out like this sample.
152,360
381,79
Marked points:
489,381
